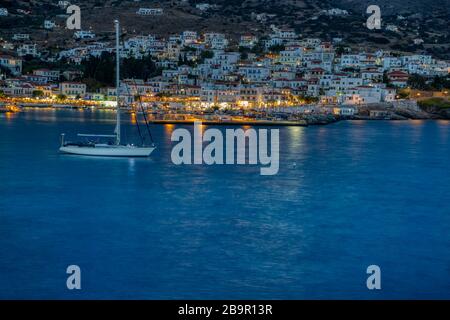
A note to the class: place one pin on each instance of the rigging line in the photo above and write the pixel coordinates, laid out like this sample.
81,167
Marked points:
137,120
143,113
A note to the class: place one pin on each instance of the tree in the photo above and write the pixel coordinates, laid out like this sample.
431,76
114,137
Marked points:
403,94
259,47
134,68
38,93
277,48
340,49
101,70
61,97
206,55
419,82
386,79
440,83
5,71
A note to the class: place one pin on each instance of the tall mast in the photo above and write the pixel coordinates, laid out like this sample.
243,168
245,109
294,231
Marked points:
116,22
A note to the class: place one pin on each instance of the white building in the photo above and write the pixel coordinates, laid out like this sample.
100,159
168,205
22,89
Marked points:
370,76
18,89
50,75
11,63
248,41
28,49
72,89
344,111
225,59
48,24
211,94
312,42
350,61
82,34
150,11
216,41
342,83
335,12
157,84
21,36
63,4
7,45
392,27
71,75
291,56
203,6
285,33
273,41
392,63
189,37
254,73
417,58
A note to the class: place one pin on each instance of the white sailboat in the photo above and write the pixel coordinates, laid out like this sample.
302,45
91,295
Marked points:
116,149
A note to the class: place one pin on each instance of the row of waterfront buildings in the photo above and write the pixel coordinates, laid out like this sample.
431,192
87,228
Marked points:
280,69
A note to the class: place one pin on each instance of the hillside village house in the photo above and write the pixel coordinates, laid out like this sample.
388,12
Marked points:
71,75
17,88
398,78
14,65
254,73
392,27
63,4
109,93
188,37
48,24
248,41
150,11
21,37
335,12
35,79
28,49
50,75
344,111
6,45
203,6
47,90
83,34
72,89
216,41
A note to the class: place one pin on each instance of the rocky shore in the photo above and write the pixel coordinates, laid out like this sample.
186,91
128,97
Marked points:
425,111
436,112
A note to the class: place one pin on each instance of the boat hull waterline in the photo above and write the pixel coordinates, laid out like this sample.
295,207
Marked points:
108,151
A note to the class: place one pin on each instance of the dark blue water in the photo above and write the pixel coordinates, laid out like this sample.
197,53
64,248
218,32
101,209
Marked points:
361,193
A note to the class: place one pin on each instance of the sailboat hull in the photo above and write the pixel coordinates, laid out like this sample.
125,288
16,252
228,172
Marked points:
108,150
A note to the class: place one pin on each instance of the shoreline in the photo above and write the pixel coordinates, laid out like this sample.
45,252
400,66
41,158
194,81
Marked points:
303,121
234,123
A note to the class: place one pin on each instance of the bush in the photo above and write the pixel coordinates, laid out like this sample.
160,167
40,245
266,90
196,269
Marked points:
435,102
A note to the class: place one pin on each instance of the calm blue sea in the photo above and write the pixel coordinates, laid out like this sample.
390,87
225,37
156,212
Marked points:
347,196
